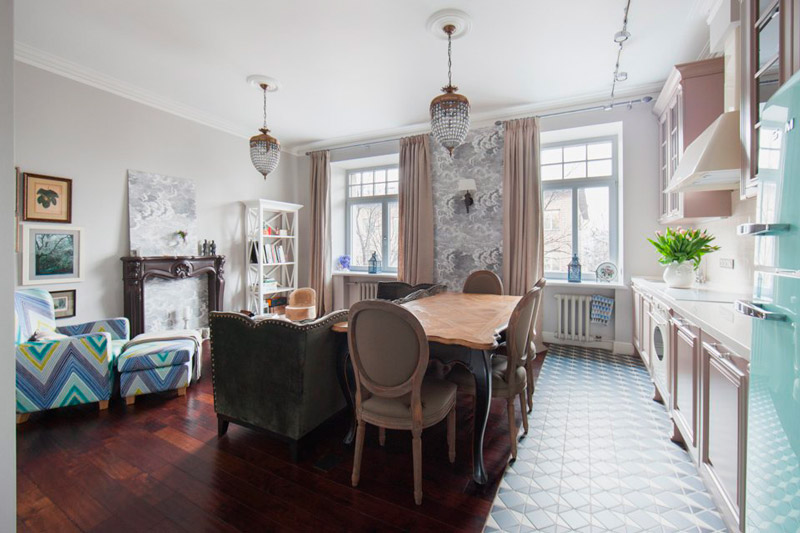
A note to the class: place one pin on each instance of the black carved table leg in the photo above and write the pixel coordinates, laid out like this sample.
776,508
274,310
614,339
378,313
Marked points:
344,371
479,363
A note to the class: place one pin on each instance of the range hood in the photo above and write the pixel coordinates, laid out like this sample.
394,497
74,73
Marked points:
712,162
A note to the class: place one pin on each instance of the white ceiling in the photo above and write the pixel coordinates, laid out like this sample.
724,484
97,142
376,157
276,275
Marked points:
349,68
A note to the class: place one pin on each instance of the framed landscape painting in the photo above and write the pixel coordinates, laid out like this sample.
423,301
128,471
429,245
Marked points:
46,198
64,303
51,254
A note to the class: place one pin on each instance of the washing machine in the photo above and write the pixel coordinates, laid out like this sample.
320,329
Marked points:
659,348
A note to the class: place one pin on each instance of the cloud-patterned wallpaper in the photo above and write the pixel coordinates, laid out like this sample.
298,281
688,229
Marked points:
467,242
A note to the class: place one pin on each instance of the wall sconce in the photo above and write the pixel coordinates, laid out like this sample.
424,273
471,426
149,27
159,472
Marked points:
467,187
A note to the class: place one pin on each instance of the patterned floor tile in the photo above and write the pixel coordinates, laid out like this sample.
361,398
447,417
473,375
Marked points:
598,458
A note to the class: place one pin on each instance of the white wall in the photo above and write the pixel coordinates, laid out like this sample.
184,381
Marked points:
68,129
639,206
8,442
732,246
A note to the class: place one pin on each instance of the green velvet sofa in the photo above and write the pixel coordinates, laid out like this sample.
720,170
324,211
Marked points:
275,375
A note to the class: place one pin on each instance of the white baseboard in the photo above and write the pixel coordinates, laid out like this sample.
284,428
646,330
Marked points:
625,348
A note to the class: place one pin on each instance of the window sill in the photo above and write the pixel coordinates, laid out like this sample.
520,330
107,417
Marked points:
616,285
362,274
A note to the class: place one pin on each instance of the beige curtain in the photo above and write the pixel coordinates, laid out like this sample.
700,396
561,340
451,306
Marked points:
415,235
320,269
523,247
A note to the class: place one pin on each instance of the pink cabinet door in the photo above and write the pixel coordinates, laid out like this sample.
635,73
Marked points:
724,422
685,359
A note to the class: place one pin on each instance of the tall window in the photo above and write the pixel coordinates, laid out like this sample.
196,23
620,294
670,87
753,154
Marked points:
372,216
579,199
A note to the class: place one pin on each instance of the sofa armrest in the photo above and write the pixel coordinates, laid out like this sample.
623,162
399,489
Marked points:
119,328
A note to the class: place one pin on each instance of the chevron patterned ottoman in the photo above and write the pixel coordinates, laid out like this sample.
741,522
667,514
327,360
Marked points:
156,366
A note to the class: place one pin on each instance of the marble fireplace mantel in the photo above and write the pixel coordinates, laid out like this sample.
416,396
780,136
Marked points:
136,270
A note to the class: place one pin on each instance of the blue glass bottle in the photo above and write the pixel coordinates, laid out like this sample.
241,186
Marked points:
374,263
574,270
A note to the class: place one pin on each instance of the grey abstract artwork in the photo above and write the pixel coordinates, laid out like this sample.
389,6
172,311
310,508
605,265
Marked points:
467,242
159,206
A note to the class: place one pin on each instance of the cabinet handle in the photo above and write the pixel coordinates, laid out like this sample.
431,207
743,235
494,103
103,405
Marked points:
761,229
755,310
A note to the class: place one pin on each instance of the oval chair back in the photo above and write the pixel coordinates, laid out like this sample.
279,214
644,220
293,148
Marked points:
540,287
519,330
389,350
483,282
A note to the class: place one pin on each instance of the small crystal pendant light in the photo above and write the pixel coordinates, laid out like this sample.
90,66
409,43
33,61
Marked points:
265,150
450,111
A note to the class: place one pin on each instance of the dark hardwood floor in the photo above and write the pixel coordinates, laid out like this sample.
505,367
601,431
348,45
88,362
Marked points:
159,466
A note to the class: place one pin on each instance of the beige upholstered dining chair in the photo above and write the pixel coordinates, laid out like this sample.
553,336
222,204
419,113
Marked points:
390,354
302,304
483,282
532,350
509,376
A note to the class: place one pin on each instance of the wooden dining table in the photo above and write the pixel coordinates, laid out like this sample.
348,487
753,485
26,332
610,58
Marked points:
461,329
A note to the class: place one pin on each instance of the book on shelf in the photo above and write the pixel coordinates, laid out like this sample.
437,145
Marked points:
267,253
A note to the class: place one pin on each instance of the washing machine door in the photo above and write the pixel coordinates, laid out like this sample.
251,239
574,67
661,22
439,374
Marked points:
659,342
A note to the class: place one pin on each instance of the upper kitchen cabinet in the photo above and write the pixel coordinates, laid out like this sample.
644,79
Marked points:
770,55
690,102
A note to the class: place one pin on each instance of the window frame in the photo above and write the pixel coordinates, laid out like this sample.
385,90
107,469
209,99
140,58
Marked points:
385,200
573,184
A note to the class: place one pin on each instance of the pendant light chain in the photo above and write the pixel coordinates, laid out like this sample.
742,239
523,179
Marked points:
264,87
449,59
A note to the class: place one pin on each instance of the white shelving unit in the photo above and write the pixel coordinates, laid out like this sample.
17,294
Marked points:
262,216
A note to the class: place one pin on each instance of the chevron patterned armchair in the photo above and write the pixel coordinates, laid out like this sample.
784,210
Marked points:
63,366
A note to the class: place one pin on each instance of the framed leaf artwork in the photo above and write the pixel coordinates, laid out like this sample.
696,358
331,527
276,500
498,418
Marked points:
46,198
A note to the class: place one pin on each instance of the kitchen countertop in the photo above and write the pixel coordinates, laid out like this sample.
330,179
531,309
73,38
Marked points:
709,309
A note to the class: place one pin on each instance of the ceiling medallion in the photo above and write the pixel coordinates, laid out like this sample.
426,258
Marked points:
265,150
450,111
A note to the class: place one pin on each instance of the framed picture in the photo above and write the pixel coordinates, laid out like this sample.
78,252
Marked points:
64,303
46,198
51,254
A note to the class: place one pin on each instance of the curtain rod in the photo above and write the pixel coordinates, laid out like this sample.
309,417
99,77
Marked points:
609,107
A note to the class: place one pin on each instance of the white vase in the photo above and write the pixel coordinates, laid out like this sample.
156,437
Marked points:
679,275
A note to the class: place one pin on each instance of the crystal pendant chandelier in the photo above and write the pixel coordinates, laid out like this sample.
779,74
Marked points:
265,150
450,111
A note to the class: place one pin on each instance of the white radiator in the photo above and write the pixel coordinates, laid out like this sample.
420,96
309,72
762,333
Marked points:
574,322
367,290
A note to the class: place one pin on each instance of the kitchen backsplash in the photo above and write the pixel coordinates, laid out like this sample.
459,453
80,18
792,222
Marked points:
732,247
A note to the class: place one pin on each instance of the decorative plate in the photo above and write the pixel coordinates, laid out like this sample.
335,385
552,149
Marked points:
606,272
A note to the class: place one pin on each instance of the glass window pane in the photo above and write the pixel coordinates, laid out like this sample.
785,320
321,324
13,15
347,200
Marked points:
594,237
575,153
366,232
380,176
392,174
599,168
599,150
380,189
355,191
768,40
366,190
575,170
355,178
366,177
394,220
550,155
766,85
391,187
551,172
557,207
